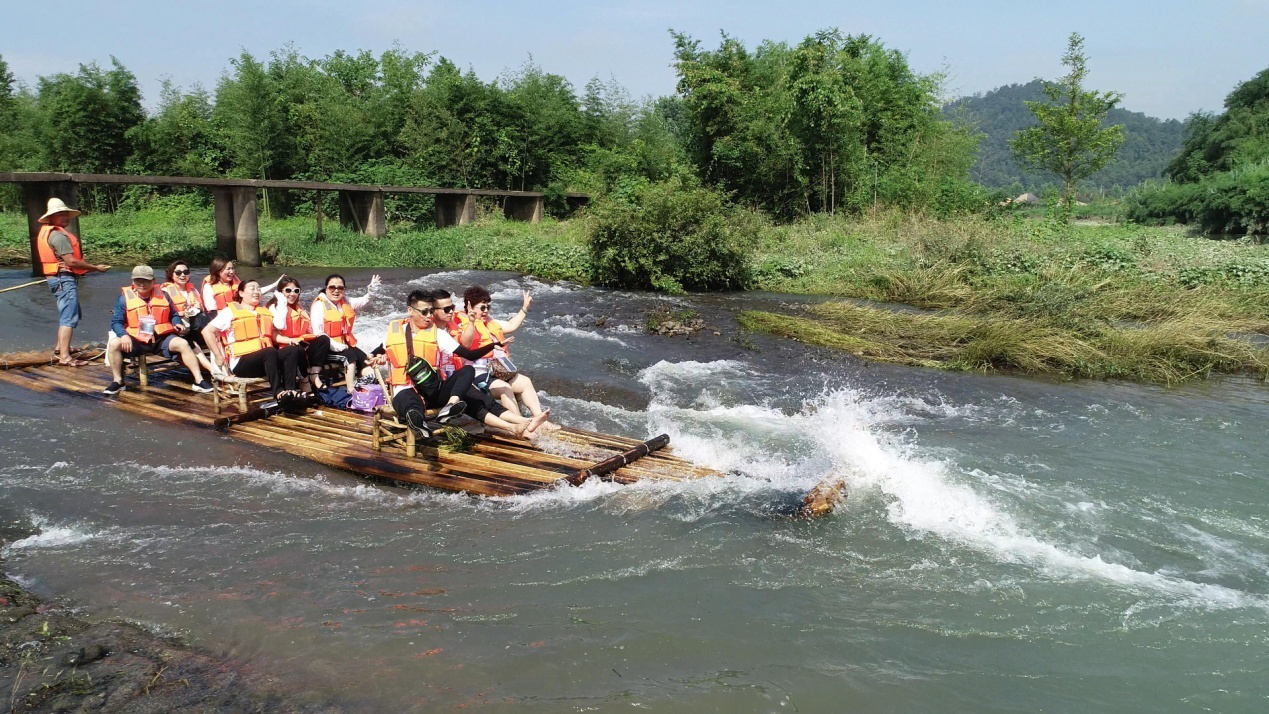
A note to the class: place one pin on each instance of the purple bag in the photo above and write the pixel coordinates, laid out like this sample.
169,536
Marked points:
365,399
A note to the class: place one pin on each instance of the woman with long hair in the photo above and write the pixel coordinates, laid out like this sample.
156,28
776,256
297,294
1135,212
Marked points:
222,283
293,326
189,303
333,314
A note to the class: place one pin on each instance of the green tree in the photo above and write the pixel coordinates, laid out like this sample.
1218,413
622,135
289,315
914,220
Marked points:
1070,139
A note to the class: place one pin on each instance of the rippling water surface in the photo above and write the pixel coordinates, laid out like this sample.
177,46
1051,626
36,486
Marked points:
1008,544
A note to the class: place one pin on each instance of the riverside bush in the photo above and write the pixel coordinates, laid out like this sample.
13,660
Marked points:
673,236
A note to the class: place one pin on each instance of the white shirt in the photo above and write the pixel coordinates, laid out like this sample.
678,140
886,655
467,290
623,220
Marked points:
445,345
318,316
222,323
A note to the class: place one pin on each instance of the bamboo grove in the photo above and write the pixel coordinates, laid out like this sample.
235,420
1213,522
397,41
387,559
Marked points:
834,123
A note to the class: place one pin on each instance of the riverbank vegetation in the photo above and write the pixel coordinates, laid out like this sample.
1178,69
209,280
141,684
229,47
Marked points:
822,167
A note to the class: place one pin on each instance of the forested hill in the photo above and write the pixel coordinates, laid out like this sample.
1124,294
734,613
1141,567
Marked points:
1148,146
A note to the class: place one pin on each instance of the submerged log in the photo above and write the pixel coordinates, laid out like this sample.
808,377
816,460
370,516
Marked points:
823,498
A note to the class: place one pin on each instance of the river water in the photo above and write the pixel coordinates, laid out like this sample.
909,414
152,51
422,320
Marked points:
1008,544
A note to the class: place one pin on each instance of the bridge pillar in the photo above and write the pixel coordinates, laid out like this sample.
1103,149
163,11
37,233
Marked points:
237,224
35,196
524,208
455,209
246,226
363,211
226,240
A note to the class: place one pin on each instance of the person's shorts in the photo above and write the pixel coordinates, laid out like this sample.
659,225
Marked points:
66,288
160,346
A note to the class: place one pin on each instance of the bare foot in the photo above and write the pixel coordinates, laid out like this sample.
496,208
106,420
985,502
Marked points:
530,430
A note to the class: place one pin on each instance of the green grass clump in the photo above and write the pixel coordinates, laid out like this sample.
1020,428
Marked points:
1167,351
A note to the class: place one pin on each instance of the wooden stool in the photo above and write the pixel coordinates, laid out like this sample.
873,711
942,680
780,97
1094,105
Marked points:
388,429
229,387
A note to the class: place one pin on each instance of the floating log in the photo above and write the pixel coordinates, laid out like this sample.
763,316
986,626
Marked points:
823,498
607,466
495,465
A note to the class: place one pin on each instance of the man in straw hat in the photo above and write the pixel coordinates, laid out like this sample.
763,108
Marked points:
62,264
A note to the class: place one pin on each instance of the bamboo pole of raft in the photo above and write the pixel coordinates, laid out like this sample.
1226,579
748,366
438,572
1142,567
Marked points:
607,466
24,285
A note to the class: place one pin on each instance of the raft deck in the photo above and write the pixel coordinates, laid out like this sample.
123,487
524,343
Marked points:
494,465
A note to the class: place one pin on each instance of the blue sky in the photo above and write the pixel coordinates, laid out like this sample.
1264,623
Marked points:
1168,58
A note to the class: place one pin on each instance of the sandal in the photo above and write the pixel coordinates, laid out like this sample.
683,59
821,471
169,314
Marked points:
72,362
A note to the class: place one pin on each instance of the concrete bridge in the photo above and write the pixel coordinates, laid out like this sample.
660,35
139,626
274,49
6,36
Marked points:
237,226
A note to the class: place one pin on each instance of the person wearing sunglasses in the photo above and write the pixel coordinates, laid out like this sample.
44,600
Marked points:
293,327
188,302
333,314
476,327
415,349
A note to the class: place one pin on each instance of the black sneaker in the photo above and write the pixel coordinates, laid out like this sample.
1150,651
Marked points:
417,422
113,388
450,412
203,387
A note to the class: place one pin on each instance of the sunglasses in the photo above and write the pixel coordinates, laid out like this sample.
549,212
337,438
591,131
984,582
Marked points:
290,290
180,272
334,287
447,308
422,310
483,307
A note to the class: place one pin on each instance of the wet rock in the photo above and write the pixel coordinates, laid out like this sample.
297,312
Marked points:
17,613
84,655
675,328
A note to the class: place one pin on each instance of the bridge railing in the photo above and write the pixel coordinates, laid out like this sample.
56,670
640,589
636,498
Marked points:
361,206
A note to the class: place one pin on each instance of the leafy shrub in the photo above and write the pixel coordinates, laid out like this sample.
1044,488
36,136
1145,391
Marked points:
1234,202
672,235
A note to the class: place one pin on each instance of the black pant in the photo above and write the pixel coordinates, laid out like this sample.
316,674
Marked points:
195,334
316,351
277,366
459,383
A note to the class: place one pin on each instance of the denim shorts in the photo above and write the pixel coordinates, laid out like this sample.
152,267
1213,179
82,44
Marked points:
66,288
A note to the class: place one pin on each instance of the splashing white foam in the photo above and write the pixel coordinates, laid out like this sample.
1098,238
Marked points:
53,536
583,334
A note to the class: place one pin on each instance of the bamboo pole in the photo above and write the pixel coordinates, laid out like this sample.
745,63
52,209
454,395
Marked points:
24,285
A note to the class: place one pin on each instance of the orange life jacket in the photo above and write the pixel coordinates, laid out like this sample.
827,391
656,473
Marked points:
487,333
222,292
49,263
298,326
182,297
398,356
246,330
341,326
156,306
267,331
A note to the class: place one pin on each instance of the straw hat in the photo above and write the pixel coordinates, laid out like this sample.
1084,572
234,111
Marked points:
55,205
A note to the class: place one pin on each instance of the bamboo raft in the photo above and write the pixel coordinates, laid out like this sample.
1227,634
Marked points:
493,465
